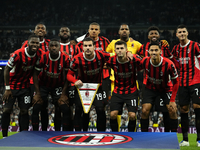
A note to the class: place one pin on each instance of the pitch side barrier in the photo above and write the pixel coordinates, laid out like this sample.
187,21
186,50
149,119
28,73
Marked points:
122,129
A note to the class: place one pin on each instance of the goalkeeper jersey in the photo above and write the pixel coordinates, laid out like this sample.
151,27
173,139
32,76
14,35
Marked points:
132,45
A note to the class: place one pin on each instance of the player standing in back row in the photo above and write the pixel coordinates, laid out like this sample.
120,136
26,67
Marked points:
188,53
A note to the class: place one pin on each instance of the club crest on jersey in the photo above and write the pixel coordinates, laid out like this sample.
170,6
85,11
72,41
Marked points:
161,73
132,45
71,49
130,66
59,67
188,51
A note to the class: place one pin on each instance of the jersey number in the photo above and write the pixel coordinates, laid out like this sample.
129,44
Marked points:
133,102
27,99
100,96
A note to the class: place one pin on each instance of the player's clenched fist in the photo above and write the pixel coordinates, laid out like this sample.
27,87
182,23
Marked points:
79,83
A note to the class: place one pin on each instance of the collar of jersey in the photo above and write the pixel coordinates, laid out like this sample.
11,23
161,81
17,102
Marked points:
65,43
185,44
42,41
89,59
54,59
122,62
97,39
158,64
28,54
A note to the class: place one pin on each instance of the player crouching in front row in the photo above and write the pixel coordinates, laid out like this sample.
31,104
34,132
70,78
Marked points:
157,81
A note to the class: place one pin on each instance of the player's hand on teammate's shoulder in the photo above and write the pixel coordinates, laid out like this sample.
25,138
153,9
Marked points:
129,56
79,83
7,95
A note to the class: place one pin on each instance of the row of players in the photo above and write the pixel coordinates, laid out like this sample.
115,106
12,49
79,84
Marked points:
52,61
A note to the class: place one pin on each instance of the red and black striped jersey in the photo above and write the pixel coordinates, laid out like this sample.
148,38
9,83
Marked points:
158,77
71,50
125,74
100,44
89,70
188,56
144,50
22,65
53,70
44,45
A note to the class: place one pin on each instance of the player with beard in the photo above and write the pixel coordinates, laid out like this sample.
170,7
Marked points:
54,65
90,60
101,44
65,45
40,31
157,82
125,90
17,73
133,46
188,53
71,50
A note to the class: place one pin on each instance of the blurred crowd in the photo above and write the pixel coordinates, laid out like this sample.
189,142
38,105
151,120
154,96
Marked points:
104,12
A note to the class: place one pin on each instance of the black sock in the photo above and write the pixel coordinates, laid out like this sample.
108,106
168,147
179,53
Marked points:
57,119
35,116
197,122
44,119
166,120
85,121
144,125
78,118
24,119
101,119
131,125
66,117
114,125
173,125
184,125
5,123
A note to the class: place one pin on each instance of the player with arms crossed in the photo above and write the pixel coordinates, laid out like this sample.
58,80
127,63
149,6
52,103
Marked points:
54,64
158,74
188,53
17,76
125,90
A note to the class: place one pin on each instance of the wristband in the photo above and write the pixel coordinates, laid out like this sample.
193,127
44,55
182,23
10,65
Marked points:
7,87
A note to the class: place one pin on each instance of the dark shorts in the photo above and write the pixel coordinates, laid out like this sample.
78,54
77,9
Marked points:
54,92
118,100
159,105
149,96
71,94
106,88
23,96
189,93
98,101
